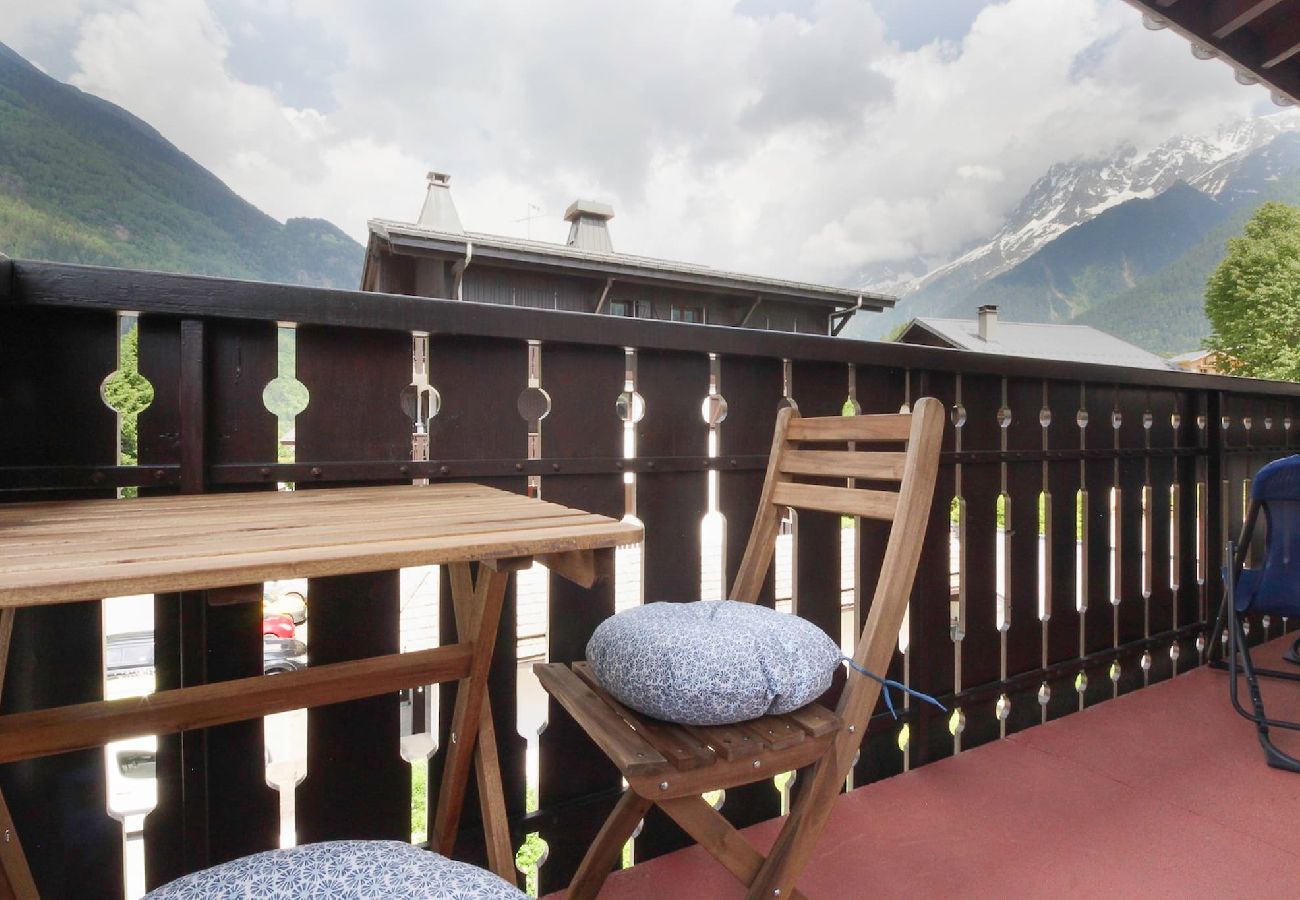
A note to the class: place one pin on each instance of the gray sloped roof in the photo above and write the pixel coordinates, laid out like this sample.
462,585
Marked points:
1074,343
626,264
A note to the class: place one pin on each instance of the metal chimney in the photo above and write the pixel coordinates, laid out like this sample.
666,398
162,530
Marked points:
587,229
439,212
988,322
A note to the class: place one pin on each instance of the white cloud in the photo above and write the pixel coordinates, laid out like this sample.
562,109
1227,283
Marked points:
804,144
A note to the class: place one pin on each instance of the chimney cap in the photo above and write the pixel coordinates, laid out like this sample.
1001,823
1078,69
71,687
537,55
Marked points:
592,209
988,322
439,210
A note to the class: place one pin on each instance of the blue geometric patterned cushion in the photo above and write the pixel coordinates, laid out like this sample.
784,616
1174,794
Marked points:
341,870
711,662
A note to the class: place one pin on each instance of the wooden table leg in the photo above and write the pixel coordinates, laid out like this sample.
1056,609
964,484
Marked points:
492,799
15,875
478,615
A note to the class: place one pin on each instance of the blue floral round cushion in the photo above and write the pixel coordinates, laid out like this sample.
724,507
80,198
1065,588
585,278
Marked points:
712,662
341,870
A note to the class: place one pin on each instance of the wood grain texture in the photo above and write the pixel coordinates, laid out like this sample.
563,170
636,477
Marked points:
845,501
478,614
217,540
716,835
492,798
757,560
681,749
882,466
882,427
874,649
6,632
629,751
47,731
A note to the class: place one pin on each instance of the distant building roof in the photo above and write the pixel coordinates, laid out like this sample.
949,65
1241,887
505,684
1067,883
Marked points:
517,250
1075,343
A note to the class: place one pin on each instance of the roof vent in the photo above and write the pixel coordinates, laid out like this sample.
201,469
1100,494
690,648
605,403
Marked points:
988,325
587,229
439,212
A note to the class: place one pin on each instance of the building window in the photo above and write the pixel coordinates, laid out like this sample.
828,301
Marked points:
620,308
693,314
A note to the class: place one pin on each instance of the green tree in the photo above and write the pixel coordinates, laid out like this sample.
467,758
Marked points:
1253,297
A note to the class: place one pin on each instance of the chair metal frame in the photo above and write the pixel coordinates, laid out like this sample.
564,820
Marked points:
672,766
1238,650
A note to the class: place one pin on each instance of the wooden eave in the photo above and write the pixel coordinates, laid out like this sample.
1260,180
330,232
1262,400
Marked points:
621,270
1260,38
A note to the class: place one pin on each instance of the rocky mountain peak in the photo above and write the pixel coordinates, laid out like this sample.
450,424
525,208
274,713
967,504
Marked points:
1075,191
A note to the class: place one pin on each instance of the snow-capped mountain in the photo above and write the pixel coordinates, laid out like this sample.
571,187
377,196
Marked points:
1075,192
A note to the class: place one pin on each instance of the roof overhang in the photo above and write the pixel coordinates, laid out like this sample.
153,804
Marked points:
1258,38
622,267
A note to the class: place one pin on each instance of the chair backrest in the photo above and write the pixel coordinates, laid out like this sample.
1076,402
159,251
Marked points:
898,480
1275,587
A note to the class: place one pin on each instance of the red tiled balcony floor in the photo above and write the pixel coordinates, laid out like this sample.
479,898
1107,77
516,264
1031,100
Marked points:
1163,792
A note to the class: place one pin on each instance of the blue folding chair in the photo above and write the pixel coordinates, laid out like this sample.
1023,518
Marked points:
1272,589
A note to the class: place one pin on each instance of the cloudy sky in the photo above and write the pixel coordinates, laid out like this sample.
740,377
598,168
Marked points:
804,138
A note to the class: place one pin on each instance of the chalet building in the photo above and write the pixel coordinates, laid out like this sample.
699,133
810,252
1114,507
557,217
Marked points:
1206,362
437,257
985,334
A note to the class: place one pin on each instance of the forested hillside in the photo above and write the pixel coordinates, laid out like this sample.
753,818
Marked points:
84,181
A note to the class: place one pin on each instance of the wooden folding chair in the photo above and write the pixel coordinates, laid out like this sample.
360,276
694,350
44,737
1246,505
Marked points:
672,766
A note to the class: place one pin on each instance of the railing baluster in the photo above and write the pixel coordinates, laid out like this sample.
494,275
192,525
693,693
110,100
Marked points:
1024,635
51,366
752,387
671,504
881,390
480,381
1063,485
583,383
355,380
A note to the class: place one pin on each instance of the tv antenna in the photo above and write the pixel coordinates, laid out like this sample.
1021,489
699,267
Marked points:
534,212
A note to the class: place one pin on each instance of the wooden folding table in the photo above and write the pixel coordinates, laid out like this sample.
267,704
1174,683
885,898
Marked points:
84,549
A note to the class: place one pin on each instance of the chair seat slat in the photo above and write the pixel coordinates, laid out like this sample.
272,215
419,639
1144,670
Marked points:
681,749
775,731
728,741
845,501
815,719
629,751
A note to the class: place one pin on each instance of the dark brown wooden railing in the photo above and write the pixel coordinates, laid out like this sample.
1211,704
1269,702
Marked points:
1163,459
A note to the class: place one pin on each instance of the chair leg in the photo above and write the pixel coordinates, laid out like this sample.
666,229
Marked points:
1215,635
708,828
802,829
1275,757
1293,655
608,845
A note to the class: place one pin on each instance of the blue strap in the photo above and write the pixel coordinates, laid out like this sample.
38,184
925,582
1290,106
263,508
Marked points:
888,683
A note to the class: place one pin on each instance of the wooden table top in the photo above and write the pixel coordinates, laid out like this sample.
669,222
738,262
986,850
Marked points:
87,549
